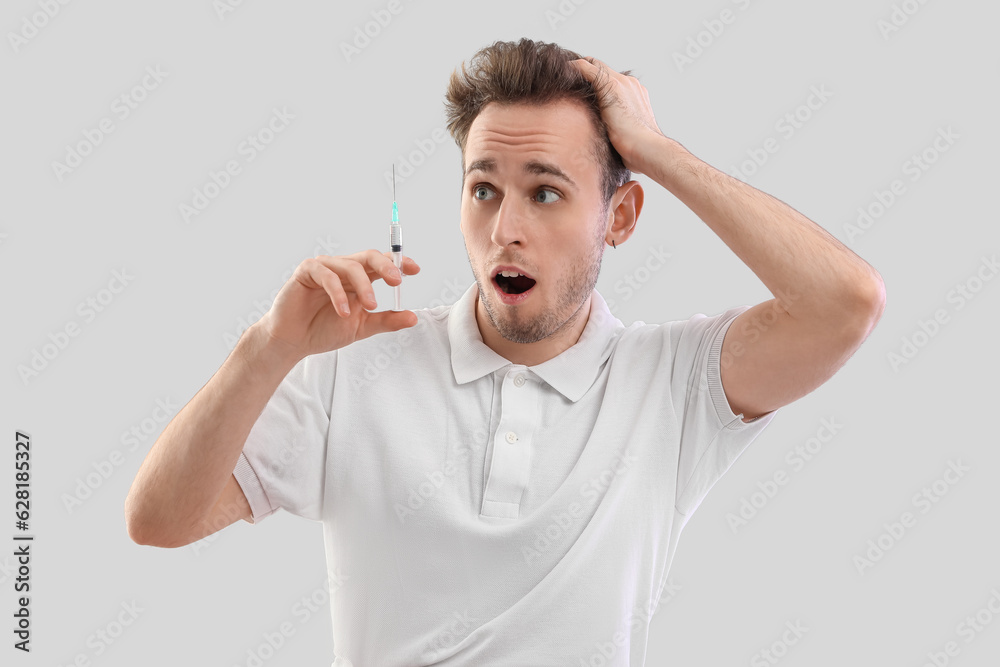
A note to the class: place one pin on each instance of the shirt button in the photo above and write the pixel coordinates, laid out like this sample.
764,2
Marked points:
519,381
511,437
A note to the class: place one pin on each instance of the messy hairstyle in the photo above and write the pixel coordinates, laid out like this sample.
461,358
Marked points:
529,72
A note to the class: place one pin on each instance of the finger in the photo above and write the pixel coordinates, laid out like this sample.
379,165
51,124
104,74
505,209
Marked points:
360,281
378,264
353,276
585,67
329,281
387,320
408,266
592,65
384,267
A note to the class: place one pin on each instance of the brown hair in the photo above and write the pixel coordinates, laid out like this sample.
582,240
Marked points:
535,73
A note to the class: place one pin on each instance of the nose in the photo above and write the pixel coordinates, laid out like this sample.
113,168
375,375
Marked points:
509,224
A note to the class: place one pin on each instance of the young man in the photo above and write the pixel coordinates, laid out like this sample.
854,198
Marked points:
523,502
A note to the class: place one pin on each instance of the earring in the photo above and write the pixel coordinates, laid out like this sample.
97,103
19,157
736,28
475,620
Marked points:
613,244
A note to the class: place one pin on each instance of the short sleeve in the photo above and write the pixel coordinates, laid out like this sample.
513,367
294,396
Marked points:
712,436
283,462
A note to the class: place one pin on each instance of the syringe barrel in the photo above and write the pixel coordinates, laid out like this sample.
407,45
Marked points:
396,237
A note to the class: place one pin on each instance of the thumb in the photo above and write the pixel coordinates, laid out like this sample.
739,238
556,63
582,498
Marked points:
386,321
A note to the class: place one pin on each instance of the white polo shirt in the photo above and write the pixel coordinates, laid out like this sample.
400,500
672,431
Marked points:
479,512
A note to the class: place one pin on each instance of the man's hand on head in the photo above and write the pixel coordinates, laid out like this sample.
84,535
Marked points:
626,112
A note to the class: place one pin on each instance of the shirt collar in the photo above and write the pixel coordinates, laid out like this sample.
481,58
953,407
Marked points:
570,373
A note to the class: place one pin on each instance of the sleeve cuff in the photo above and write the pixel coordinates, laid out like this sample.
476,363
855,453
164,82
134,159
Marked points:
730,419
260,506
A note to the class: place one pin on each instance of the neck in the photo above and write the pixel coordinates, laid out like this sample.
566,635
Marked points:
532,354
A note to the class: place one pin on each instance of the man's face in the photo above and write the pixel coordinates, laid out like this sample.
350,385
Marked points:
532,200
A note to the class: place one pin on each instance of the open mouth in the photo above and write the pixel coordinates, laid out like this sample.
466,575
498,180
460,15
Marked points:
514,284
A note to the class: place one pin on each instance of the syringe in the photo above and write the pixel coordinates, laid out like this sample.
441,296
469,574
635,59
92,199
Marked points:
396,237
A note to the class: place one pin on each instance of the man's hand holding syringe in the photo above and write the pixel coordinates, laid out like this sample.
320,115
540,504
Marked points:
325,304
327,310
186,482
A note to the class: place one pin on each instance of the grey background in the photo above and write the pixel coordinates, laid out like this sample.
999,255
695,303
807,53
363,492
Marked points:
319,188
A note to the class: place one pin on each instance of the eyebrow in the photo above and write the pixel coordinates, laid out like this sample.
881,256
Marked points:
489,165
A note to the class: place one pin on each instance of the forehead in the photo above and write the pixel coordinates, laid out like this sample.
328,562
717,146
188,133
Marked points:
557,133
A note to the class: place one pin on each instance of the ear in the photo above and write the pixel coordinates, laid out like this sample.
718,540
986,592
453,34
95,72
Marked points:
623,213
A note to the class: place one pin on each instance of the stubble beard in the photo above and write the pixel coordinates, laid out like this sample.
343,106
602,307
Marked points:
573,293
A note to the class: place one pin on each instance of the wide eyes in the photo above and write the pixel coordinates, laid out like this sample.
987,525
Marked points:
482,192
550,192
